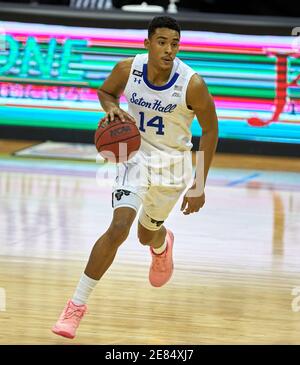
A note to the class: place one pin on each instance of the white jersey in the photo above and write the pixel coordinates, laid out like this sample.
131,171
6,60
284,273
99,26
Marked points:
160,171
161,113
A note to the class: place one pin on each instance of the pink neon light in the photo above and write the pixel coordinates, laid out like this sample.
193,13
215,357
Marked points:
138,42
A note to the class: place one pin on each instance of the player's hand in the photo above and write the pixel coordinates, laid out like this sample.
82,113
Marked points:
192,204
110,116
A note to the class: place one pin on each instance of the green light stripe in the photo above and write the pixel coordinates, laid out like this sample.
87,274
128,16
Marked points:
245,92
55,118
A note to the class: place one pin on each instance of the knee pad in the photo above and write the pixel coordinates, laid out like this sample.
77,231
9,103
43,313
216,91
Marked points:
149,223
125,198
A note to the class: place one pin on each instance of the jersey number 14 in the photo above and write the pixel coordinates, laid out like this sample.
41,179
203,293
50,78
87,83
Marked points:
155,122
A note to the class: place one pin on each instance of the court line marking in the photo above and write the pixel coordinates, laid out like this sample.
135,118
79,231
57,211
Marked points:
243,179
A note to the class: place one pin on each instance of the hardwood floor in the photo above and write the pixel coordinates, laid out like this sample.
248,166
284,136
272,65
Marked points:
236,278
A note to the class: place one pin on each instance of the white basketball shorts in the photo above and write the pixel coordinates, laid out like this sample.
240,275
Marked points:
151,184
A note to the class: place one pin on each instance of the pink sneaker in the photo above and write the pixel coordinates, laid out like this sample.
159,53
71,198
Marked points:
162,266
69,320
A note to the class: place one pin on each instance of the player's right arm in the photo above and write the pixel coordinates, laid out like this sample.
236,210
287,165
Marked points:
111,90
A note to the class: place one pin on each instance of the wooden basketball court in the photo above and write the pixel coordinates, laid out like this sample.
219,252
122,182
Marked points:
237,262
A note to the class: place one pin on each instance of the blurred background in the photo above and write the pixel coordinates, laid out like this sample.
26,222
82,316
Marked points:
265,7
55,54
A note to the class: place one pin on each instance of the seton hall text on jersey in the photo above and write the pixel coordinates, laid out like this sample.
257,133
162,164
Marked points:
156,105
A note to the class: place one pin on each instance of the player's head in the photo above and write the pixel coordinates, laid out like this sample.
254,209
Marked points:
163,22
163,41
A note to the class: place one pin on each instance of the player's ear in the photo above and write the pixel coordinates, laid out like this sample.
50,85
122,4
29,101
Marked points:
146,43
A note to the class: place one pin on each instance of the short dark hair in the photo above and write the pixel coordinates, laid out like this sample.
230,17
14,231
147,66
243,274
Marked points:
162,22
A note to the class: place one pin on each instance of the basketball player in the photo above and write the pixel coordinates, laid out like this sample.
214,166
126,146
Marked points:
163,96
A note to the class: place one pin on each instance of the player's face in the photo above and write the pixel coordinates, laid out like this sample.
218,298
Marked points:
162,47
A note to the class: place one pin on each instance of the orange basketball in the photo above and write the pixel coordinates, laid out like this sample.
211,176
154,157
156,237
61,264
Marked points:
117,141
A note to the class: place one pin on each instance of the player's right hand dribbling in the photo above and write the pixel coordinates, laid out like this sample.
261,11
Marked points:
110,116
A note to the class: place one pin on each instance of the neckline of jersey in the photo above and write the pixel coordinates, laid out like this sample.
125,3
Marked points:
158,88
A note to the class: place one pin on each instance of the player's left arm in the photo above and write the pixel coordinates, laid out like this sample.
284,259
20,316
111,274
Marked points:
201,102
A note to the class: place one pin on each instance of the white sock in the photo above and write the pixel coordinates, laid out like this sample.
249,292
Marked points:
160,249
83,290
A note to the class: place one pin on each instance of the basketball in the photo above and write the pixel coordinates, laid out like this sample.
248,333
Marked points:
117,141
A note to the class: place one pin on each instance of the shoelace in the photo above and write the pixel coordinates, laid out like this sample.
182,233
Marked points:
73,314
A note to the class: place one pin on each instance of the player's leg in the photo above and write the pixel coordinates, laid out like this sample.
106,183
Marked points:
126,203
106,246
152,233
152,237
157,205
101,257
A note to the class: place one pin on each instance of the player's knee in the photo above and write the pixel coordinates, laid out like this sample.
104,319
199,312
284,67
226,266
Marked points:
118,232
120,225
